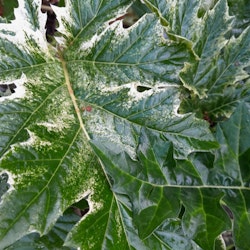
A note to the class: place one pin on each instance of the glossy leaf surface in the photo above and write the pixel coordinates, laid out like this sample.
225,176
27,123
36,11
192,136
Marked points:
98,118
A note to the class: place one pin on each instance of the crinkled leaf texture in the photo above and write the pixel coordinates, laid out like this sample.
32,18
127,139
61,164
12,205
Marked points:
97,118
215,78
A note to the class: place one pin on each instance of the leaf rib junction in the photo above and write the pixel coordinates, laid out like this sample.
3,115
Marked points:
72,96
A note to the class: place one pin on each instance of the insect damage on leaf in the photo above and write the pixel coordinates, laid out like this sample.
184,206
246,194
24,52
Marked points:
4,185
13,89
86,108
6,182
51,23
129,18
7,89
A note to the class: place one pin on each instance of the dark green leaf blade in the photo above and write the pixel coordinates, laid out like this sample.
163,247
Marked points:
181,19
233,146
240,10
54,239
161,189
239,203
204,219
231,168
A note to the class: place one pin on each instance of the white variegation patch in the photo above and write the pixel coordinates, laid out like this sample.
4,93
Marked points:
57,123
34,141
22,28
86,46
104,129
59,116
63,14
93,204
135,95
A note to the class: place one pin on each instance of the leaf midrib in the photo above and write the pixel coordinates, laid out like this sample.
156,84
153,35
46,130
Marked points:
124,173
139,124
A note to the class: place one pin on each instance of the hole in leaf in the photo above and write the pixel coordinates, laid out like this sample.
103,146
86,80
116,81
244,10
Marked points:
181,213
207,117
133,14
228,239
13,89
4,185
7,8
54,239
7,89
130,18
51,23
228,211
141,88
80,208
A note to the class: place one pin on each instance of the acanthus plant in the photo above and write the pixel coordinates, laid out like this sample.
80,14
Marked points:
146,128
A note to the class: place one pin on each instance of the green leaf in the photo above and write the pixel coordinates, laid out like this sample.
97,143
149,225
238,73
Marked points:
216,77
180,18
163,185
232,163
103,228
231,168
7,9
233,146
229,70
98,118
199,76
54,239
240,10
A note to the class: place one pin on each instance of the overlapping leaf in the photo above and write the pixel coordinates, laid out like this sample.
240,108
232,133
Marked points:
163,185
240,10
216,78
109,82
163,182
54,239
231,169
